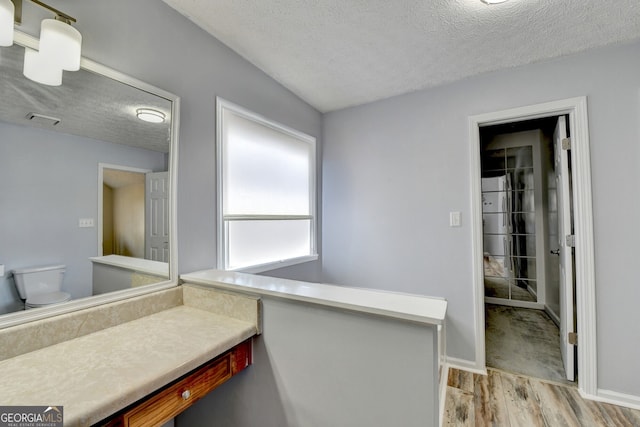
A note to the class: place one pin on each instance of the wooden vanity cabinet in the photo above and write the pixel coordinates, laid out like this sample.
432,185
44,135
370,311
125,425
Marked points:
167,403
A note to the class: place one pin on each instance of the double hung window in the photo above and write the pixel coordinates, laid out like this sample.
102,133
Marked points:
266,192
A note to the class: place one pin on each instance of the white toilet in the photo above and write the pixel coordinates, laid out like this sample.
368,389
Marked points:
40,286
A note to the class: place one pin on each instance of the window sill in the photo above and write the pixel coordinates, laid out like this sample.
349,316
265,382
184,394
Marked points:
261,268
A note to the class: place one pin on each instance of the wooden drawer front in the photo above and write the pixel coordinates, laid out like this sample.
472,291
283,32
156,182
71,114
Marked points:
241,357
178,397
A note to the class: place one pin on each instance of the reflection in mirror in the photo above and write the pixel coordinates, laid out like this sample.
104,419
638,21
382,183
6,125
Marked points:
84,185
509,222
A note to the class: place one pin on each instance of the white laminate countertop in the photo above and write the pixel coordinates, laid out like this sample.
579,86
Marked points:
134,264
101,373
416,308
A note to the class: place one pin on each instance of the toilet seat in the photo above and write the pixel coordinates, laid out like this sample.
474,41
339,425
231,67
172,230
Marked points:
44,300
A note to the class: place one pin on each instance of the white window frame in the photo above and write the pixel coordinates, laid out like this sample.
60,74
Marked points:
222,241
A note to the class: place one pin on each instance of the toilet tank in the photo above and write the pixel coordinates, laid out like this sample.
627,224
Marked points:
36,280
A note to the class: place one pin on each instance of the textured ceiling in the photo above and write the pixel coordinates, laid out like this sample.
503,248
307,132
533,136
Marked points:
87,104
339,53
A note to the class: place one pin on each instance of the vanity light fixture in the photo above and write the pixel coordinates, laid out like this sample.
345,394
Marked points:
490,2
7,13
37,69
59,48
60,44
150,115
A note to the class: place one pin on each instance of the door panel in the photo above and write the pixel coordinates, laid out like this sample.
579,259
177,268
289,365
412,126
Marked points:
566,252
157,226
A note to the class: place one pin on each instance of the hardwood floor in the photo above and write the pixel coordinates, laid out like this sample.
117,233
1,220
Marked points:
502,399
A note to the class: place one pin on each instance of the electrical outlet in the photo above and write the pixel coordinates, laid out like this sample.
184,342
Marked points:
85,222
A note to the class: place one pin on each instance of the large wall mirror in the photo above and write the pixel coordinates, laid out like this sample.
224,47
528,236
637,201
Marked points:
85,185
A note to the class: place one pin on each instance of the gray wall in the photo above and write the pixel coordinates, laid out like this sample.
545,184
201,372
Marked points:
315,366
150,41
395,168
48,181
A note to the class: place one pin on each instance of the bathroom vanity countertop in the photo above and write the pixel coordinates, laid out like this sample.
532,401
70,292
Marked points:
135,264
415,308
98,374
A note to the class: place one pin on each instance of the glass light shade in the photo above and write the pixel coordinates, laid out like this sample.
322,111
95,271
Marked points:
7,11
38,69
61,44
493,1
149,115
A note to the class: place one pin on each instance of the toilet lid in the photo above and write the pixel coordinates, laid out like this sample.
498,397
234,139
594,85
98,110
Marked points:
48,298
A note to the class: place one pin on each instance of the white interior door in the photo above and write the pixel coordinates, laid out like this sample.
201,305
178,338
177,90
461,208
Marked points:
566,252
157,222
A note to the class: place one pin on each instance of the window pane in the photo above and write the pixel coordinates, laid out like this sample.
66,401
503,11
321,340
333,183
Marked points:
520,157
266,171
495,201
495,244
260,242
493,160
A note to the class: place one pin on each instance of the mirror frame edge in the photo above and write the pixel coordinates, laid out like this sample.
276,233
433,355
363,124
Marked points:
21,317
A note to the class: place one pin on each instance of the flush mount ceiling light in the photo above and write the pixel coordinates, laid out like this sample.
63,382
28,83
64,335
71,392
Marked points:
150,115
60,43
493,1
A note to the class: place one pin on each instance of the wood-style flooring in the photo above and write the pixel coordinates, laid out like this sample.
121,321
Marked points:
503,399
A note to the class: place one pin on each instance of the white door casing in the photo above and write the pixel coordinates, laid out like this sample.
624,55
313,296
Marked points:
582,204
566,251
157,216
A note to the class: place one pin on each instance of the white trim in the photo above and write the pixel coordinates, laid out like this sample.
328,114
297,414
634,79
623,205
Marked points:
276,264
514,303
101,168
583,219
465,365
20,317
222,240
552,315
17,318
615,398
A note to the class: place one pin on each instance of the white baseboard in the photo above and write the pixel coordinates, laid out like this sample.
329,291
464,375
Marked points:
465,365
615,398
514,303
552,314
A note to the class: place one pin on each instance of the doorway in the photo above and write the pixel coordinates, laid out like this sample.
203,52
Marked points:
121,216
520,270
133,212
522,182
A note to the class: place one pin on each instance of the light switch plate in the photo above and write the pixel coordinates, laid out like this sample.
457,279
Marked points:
1,270
85,222
454,219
